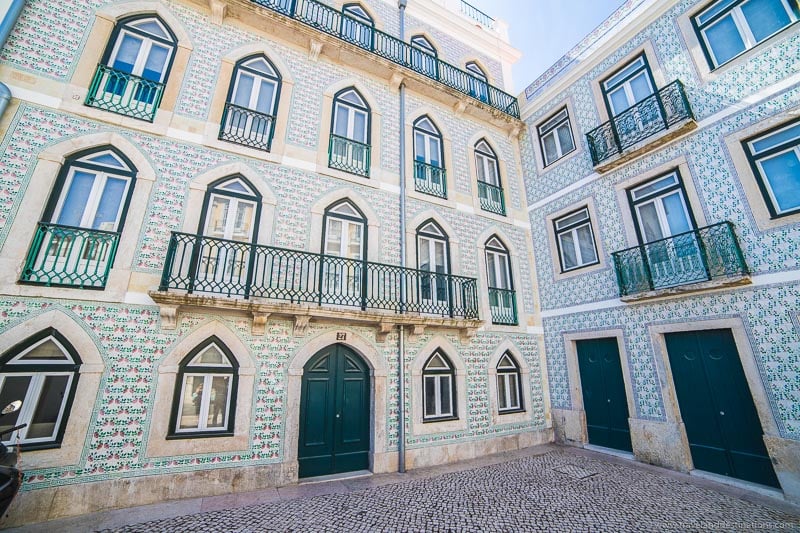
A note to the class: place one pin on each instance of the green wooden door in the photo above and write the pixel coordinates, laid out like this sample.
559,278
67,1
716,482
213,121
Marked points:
722,424
604,397
334,413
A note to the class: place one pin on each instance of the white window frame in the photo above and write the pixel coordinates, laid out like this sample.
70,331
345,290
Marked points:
757,156
550,128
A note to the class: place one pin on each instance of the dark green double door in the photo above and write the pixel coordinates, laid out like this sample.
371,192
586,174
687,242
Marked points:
722,424
604,398
334,413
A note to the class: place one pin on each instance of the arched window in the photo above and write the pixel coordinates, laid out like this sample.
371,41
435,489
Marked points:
490,190
350,132
249,117
42,372
205,391
228,225
76,240
357,26
424,57
509,385
433,261
439,388
429,172
131,77
502,298
344,248
479,84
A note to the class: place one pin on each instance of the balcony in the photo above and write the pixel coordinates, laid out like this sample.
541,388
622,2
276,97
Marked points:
70,257
503,303
211,267
124,94
491,198
696,260
349,155
636,129
247,127
477,15
430,179
332,22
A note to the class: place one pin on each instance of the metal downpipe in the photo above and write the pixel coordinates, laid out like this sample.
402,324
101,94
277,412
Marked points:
401,364
6,26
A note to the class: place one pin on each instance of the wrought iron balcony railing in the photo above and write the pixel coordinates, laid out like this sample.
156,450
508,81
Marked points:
334,22
477,15
247,127
207,265
696,256
656,113
349,155
503,303
124,94
430,179
68,256
491,198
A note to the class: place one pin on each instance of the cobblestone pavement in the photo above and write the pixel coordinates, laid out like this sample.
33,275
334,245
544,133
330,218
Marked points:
559,490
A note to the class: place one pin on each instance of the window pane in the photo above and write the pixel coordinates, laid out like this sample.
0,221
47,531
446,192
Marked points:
619,101
654,186
724,39
333,241
76,199
45,416
46,351
513,389
342,117
586,244
480,162
568,250
211,356
444,390
775,139
419,147
156,63
108,210
242,223
218,409
430,396
640,87
14,388
676,214
217,218
360,127
354,241
565,138
783,175
718,8
127,53
567,221
433,151
244,88
649,222
550,149
491,269
191,401
265,97
765,17
501,391
624,73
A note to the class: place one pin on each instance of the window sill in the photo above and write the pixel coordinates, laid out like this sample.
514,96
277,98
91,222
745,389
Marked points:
439,419
199,435
647,145
511,412
688,288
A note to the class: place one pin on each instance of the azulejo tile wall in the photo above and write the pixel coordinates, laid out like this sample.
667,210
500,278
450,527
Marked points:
132,345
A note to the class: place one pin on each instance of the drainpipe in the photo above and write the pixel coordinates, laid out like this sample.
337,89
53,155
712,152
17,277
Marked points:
6,26
401,363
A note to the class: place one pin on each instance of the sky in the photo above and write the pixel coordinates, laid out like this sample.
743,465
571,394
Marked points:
544,30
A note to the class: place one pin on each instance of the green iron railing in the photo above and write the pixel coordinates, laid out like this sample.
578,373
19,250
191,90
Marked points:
207,265
503,303
349,155
333,22
656,113
247,127
430,179
68,256
491,198
477,15
699,255
124,94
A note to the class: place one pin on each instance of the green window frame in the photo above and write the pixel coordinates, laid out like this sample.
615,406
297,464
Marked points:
509,386
774,157
42,371
741,25
575,235
204,401
555,137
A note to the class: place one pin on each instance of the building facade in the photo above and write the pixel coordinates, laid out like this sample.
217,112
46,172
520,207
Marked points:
225,225
661,167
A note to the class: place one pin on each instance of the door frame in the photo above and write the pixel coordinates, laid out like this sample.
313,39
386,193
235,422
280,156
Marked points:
750,366
379,459
576,387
